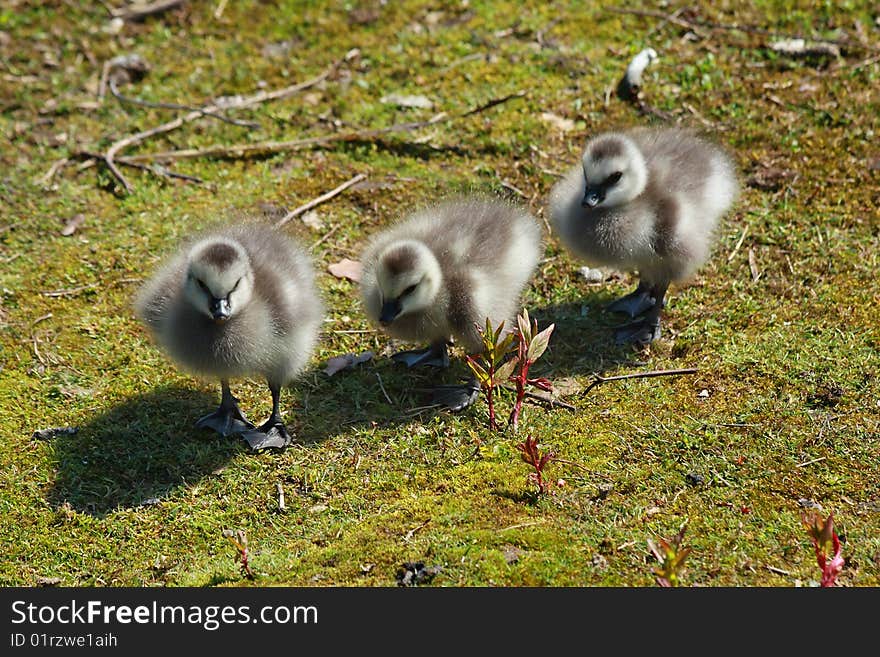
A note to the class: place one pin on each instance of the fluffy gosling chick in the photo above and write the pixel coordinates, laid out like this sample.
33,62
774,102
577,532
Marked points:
239,301
646,200
442,271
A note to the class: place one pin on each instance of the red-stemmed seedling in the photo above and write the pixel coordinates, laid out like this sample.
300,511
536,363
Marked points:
530,345
489,367
825,543
671,557
239,540
530,453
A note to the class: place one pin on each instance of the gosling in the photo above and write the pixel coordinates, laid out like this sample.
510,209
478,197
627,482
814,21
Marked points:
238,301
646,200
440,273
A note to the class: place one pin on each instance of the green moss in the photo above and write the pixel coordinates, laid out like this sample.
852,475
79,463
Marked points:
789,361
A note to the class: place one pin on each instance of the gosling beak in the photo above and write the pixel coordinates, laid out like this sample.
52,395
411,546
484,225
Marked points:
592,198
390,310
220,311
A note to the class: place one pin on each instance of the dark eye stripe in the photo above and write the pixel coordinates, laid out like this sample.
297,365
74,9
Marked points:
613,179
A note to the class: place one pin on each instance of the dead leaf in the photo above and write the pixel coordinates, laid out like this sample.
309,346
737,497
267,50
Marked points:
770,177
403,100
312,98
345,268
72,224
346,361
559,122
313,220
512,553
566,386
363,15
48,581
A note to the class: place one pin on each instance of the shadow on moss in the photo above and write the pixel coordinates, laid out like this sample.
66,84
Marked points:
138,452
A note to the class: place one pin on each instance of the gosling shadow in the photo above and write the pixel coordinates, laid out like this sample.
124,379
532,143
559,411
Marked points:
378,393
583,340
138,452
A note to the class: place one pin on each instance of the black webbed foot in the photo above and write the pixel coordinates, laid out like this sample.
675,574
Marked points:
456,397
636,303
226,420
272,434
433,356
641,332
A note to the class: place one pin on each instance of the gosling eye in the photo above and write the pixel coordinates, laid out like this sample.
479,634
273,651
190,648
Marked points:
235,287
203,286
409,290
613,179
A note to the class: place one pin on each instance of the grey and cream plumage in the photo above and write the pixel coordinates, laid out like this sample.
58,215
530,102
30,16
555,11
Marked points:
646,200
449,267
237,301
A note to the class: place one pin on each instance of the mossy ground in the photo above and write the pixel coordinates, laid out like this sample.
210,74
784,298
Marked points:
788,354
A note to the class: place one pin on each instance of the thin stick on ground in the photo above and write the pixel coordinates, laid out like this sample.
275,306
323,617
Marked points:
382,388
141,10
637,375
122,98
270,147
321,199
250,101
748,29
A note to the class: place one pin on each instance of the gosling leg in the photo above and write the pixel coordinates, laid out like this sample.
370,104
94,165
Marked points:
228,418
272,433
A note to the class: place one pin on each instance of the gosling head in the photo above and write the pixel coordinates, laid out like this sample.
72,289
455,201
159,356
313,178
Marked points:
219,279
408,277
614,171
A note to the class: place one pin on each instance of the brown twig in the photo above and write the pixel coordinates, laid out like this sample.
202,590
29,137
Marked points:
261,97
382,388
137,12
269,147
177,106
748,29
321,199
47,177
69,292
325,237
637,375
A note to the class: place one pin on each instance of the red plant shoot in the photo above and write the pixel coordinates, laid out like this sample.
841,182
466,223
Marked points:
532,455
489,367
825,543
671,557
530,345
239,540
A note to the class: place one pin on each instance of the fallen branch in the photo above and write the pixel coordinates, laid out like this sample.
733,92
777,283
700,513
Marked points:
261,97
321,199
269,147
638,375
177,106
